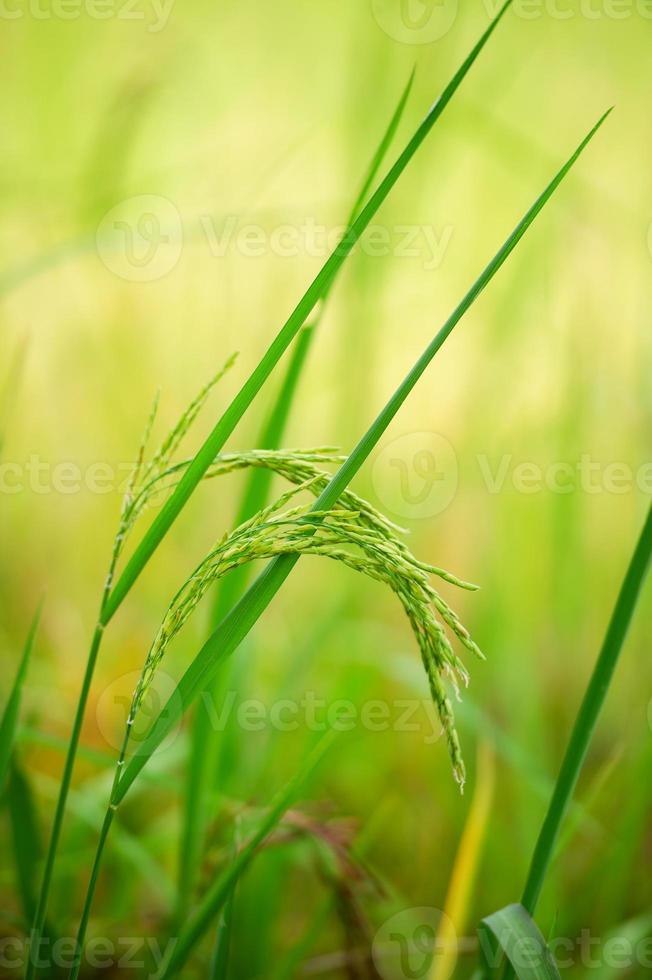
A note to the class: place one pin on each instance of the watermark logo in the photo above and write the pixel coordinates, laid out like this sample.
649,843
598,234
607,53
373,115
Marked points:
114,709
415,21
406,945
416,475
141,238
153,14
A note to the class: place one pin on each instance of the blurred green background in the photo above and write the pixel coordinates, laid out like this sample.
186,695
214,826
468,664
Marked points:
195,122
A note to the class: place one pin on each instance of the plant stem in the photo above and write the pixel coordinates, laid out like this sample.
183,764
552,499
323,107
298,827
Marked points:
55,834
66,778
104,833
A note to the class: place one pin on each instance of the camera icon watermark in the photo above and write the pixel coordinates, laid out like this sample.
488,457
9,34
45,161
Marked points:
415,21
406,945
114,705
416,476
141,238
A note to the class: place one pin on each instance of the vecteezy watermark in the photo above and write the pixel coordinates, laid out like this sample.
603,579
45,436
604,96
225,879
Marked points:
143,953
406,945
65,477
319,714
585,951
309,712
154,14
416,476
426,21
113,711
415,21
142,239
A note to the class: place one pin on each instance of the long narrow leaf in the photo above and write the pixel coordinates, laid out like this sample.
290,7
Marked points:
204,748
9,721
230,633
225,426
522,943
26,838
219,892
588,714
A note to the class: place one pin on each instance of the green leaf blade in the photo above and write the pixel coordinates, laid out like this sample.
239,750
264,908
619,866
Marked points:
522,943
9,722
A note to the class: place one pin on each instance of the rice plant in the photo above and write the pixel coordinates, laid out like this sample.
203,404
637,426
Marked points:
299,505
114,593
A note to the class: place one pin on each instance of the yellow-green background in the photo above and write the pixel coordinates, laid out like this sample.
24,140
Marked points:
270,112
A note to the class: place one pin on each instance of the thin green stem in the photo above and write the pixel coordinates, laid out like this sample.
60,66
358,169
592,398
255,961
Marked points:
104,833
66,779
586,721
57,823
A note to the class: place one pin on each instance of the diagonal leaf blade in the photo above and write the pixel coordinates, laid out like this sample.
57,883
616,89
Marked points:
588,714
204,744
9,721
27,848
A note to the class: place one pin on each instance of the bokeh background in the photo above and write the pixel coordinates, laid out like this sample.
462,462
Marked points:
196,121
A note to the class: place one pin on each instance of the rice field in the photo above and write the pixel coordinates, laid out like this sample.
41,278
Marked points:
365,282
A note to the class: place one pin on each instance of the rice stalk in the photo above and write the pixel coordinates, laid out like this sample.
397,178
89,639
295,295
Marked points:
237,624
205,745
355,534
114,595
322,519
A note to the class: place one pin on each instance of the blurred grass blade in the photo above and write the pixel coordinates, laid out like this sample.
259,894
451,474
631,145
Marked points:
382,149
233,629
220,960
460,888
27,847
225,426
9,721
222,948
216,896
519,938
630,935
204,742
588,715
